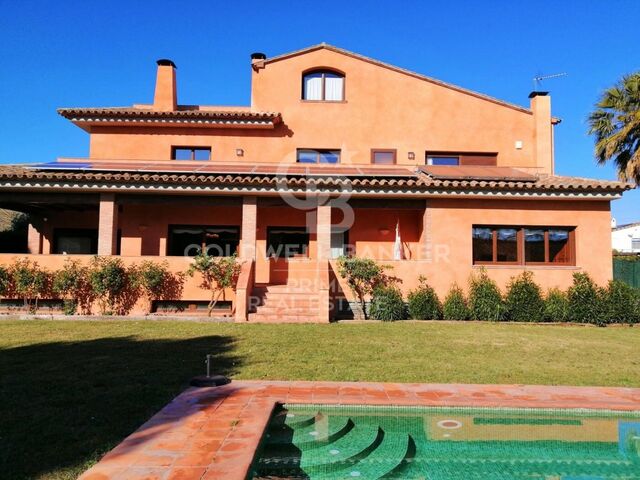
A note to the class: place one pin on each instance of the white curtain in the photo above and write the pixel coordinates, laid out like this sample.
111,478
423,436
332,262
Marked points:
313,86
333,87
398,251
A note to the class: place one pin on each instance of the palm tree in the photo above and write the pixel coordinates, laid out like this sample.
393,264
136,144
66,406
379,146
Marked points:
616,126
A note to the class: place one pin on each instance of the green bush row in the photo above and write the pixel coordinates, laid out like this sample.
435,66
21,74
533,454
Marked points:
523,301
105,280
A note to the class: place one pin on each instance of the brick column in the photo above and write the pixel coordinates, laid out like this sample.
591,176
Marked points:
107,224
426,247
34,240
249,227
323,232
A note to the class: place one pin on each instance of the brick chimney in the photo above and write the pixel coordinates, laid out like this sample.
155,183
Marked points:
543,128
166,96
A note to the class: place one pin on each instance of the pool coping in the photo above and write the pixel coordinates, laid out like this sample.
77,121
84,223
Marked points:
213,433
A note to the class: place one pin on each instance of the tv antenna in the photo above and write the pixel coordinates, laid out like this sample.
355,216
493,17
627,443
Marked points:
537,80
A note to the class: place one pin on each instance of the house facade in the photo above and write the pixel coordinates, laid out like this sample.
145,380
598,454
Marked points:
336,154
626,238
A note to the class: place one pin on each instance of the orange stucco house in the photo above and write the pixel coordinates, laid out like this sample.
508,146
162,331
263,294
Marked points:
336,153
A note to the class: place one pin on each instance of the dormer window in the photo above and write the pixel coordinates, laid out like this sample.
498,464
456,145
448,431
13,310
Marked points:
323,86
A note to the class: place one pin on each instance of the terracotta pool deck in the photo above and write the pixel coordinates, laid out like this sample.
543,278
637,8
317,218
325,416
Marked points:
212,433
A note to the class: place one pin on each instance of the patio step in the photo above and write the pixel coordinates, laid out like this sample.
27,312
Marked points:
284,304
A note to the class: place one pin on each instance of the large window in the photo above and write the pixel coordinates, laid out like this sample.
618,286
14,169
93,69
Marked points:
287,242
190,153
509,245
75,241
383,156
323,86
307,155
191,240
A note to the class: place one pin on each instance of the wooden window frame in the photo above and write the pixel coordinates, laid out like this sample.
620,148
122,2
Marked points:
384,150
520,239
465,159
323,72
318,151
193,152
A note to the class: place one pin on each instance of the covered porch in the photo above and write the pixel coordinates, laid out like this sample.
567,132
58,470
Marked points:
281,246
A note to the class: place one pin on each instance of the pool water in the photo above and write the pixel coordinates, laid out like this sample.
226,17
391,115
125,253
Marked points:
319,442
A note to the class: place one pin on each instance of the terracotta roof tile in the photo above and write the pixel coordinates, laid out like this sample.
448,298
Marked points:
417,182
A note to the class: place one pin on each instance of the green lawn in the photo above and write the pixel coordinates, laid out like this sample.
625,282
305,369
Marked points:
70,391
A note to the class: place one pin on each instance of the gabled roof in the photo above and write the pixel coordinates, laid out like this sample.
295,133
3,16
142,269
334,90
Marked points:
404,71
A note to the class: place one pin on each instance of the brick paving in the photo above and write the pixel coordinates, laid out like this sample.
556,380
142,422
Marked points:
212,433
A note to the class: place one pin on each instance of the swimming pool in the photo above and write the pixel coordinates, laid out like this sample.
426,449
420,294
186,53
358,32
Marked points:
321,442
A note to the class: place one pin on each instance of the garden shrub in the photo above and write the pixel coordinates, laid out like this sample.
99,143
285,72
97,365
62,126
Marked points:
363,275
218,273
30,282
424,303
586,303
556,306
523,301
621,303
153,278
485,299
5,280
109,281
455,306
387,304
72,284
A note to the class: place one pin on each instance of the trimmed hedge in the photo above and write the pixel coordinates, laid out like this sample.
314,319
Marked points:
586,301
455,306
387,304
621,303
485,299
423,302
524,301
556,306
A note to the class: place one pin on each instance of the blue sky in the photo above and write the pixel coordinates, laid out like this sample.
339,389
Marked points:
86,53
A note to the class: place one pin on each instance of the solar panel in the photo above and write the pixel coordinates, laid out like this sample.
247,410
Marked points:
473,172
177,166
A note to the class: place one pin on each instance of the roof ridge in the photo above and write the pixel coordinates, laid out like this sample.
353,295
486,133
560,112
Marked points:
405,71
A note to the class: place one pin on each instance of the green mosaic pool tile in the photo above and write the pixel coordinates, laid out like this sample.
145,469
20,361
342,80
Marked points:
348,450
525,421
409,450
322,432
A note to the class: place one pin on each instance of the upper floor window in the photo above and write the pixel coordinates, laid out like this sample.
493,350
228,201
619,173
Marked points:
383,157
305,155
323,85
443,160
191,153
484,159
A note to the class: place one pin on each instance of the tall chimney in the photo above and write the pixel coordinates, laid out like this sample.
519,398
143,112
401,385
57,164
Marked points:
166,95
543,127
